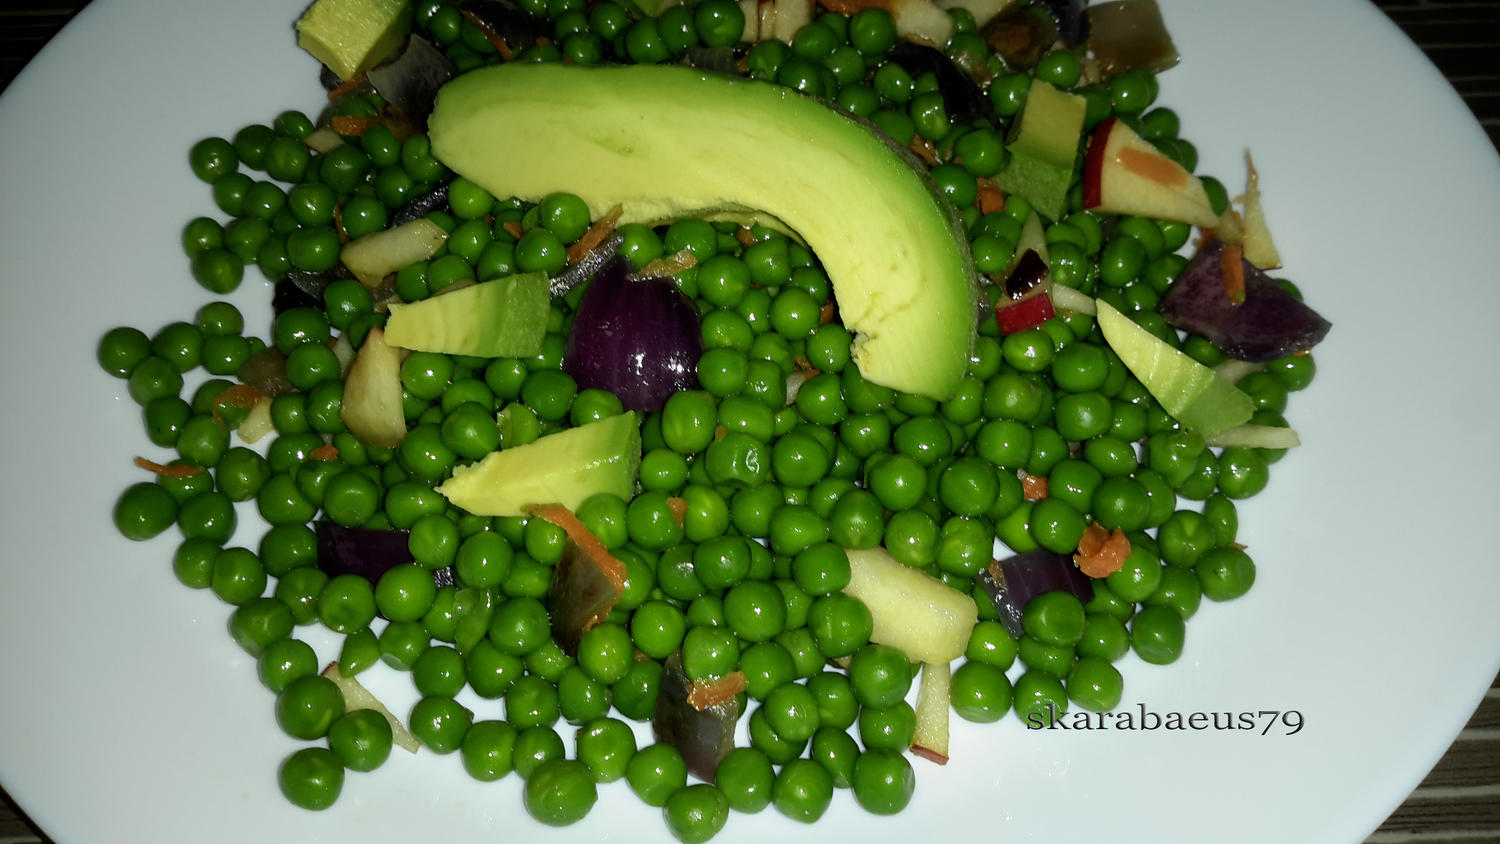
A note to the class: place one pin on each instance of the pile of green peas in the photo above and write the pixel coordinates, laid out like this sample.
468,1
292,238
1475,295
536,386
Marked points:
775,475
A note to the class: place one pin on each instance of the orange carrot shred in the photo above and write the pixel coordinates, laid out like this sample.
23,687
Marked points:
990,198
596,234
500,46
1100,552
924,150
242,396
1232,265
744,236
326,451
178,471
828,312
586,541
346,87
678,506
513,228
1033,487
706,693
345,125
720,431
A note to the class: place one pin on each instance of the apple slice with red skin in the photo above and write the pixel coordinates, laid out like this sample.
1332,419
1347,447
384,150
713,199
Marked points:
1027,313
1124,174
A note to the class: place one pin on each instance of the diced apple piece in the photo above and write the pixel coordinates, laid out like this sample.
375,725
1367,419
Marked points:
257,423
927,619
372,257
788,17
356,696
1260,250
505,317
1124,174
1045,148
982,10
916,20
1071,301
934,701
372,393
351,36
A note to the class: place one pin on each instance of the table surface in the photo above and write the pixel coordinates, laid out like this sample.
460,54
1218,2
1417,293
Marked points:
1460,799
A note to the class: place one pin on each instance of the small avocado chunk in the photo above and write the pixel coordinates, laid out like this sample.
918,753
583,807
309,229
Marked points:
1044,149
505,317
351,36
1197,397
667,142
564,468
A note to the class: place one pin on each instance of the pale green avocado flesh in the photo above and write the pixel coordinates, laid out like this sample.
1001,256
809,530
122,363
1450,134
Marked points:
667,142
1197,397
1044,149
505,317
562,468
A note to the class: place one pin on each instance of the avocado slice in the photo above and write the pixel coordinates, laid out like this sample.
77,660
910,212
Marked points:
505,317
1044,149
666,142
562,468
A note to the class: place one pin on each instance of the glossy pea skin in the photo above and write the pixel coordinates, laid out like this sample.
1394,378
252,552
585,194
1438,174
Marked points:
1156,635
696,813
311,778
803,790
361,738
487,750
560,792
1225,573
1094,684
883,781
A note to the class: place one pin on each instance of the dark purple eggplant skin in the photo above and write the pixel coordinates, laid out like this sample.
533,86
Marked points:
639,338
578,597
1270,323
703,737
964,100
1072,20
419,206
411,80
367,553
1012,583
586,267
286,295
1029,272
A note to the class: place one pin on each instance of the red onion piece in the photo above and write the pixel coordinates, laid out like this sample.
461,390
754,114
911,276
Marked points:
1269,324
638,339
1013,582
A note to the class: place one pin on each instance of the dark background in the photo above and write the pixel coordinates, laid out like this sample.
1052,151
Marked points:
1460,799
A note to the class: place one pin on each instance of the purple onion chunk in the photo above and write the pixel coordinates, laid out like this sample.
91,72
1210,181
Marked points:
703,736
366,552
579,597
1269,324
1012,583
639,339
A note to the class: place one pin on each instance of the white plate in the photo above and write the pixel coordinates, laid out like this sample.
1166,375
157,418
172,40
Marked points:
128,714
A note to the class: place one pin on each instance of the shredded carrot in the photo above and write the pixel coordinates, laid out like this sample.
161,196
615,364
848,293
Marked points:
1033,487
990,198
326,451
242,396
346,87
597,234
178,471
667,265
1100,552
678,506
804,365
929,754
513,228
924,150
720,431
828,313
356,126
744,236
1154,166
706,693
1232,265
586,541
490,35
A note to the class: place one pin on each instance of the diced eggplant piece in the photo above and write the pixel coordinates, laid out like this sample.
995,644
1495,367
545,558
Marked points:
703,736
1125,34
411,81
1071,17
507,20
962,96
266,372
1269,323
1020,36
286,295
579,597
586,267
419,206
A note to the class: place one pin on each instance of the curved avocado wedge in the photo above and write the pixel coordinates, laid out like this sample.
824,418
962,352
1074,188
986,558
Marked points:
666,142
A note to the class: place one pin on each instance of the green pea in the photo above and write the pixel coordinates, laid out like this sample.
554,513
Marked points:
560,792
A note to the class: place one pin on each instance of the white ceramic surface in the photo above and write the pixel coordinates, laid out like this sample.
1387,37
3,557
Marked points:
128,715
